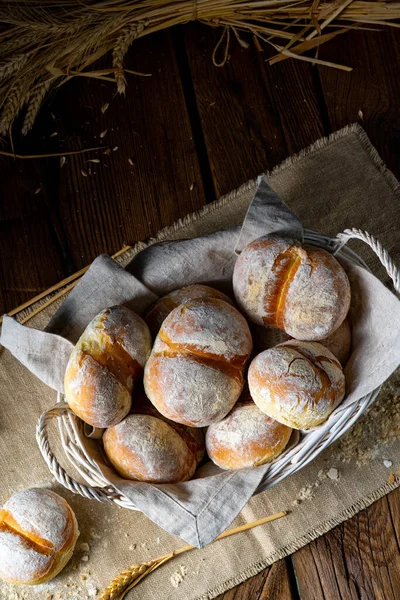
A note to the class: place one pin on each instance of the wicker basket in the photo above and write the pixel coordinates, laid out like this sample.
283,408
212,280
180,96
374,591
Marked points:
310,443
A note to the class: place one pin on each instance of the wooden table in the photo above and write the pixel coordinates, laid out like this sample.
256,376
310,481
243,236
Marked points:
181,138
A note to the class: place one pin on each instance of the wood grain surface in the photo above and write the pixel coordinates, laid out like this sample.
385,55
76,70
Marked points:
180,138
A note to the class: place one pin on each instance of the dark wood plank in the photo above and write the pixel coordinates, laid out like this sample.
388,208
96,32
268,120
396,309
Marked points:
253,116
152,179
273,582
359,559
31,257
372,87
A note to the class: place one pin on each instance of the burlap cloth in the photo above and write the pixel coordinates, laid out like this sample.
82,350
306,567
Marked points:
337,183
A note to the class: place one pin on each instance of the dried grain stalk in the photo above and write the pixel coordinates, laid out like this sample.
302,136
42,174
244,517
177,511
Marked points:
44,39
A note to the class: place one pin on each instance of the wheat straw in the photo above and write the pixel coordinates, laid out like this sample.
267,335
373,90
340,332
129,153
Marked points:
41,41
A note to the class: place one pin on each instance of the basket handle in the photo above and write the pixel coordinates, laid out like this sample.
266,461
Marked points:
93,493
380,251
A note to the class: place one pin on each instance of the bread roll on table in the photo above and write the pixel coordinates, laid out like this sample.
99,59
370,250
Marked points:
246,437
161,309
195,372
105,364
302,290
297,383
38,532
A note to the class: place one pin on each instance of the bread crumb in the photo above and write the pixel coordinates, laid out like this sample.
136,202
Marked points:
391,478
85,558
158,540
306,493
387,463
84,547
132,547
333,474
177,577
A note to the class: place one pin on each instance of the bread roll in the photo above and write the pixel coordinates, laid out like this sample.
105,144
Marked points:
297,383
38,532
302,290
148,448
194,436
161,309
339,342
195,372
246,437
105,364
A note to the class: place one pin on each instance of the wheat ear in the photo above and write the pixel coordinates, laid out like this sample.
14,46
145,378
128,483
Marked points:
16,99
35,102
129,34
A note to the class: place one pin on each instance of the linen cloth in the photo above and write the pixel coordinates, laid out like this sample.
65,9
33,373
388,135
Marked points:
368,181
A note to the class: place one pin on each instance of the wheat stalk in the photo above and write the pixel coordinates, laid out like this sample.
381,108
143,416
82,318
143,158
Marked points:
70,36
35,102
13,103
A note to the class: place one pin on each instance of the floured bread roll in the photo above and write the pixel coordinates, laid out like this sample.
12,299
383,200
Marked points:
105,364
246,437
149,447
195,372
161,309
297,383
38,532
302,290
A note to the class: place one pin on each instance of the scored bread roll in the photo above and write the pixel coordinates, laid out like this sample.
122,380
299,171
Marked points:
339,342
105,364
246,437
161,309
302,290
38,532
195,372
147,447
297,383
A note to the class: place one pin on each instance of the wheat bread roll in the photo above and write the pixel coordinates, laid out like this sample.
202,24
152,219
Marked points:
148,447
297,383
161,309
194,374
38,532
302,290
105,364
245,438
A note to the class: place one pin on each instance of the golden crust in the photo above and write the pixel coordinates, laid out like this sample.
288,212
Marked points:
297,383
302,290
105,364
195,372
38,532
245,438
146,448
